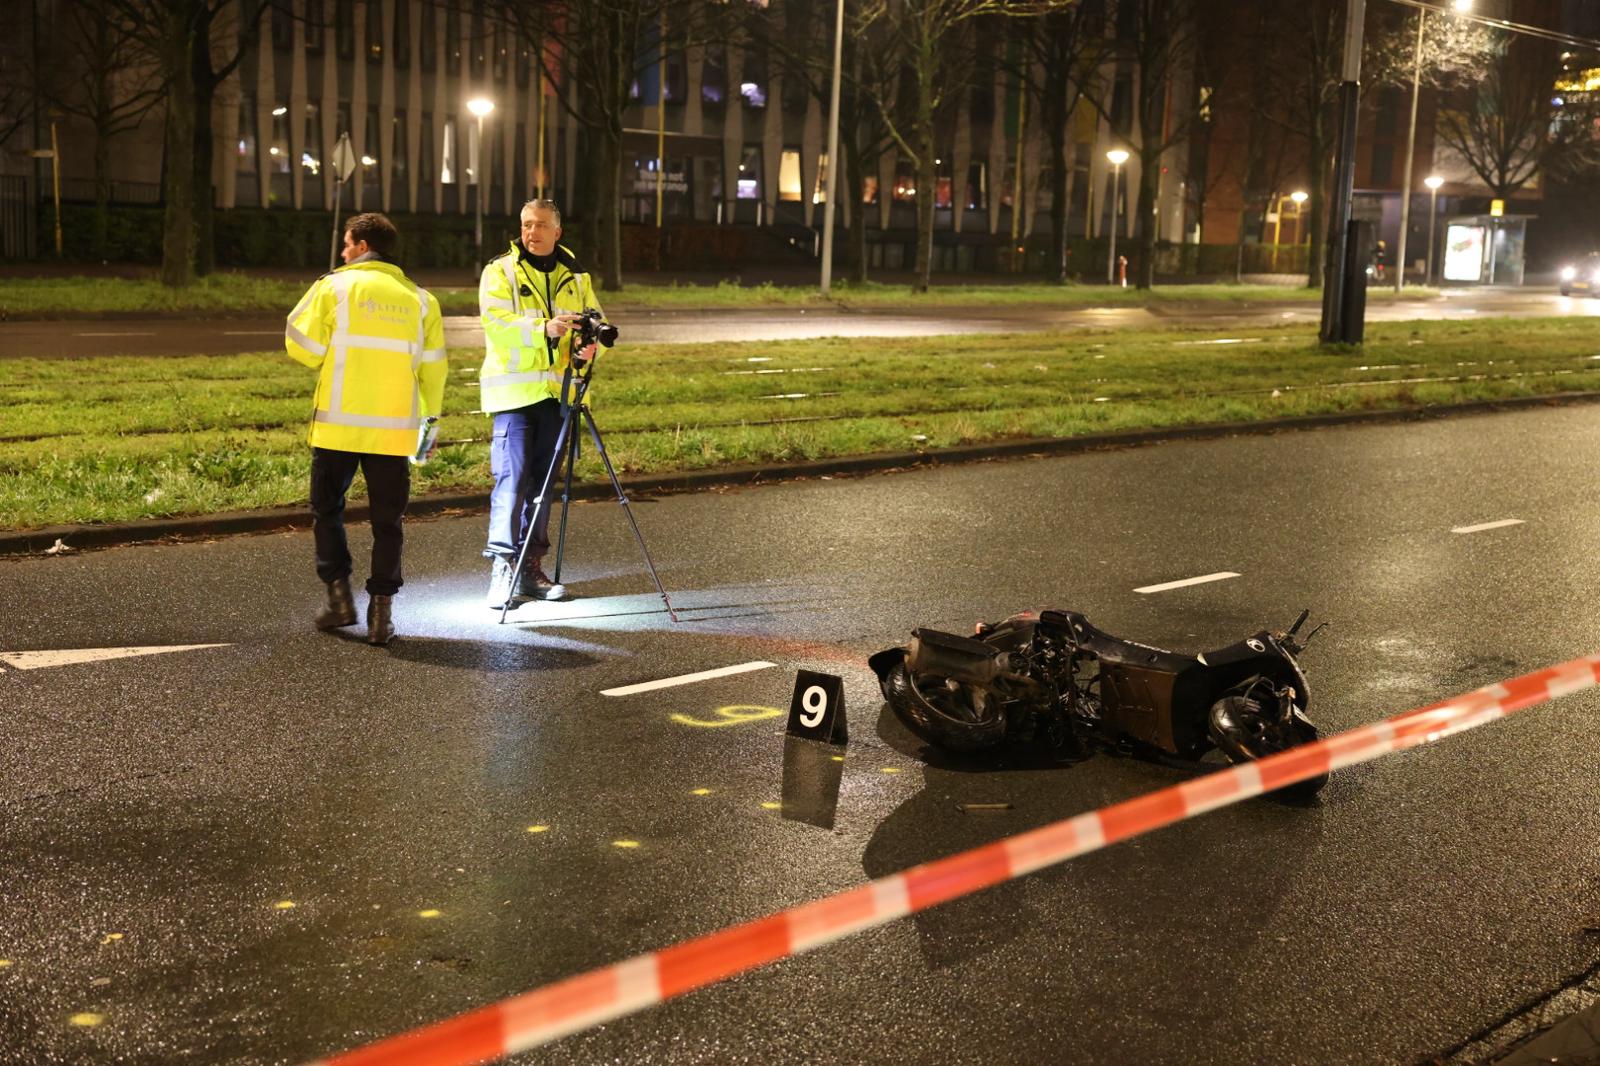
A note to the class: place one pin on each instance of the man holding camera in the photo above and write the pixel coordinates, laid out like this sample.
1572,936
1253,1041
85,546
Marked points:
529,298
377,342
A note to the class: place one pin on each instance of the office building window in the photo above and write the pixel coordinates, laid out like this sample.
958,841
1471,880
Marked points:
246,162
753,83
278,152
311,154
869,189
344,28
402,34
427,38
371,146
677,79
282,24
749,187
524,65
714,77
502,52
447,157
425,151
977,186
905,182
480,39
452,39
789,176
398,149
375,31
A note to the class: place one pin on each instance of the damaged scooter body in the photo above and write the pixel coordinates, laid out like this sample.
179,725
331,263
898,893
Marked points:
1055,678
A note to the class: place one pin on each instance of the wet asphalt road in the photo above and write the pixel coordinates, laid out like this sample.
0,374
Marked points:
158,813
225,336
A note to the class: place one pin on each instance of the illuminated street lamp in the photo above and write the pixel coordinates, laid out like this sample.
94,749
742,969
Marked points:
1117,157
1298,198
1432,181
480,107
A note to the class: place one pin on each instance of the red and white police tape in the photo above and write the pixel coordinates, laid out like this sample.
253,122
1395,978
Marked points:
557,1010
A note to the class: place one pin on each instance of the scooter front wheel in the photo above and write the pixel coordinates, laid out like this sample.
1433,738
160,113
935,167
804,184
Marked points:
944,712
1243,731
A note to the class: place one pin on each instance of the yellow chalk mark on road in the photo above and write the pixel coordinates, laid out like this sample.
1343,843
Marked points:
700,792
284,905
737,714
538,829
769,805
429,913
624,843
891,769
87,1019
837,758
4,963
109,937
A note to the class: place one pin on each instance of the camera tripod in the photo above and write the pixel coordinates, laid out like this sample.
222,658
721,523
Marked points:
572,411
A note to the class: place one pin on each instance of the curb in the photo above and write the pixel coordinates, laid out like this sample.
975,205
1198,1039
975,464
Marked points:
38,541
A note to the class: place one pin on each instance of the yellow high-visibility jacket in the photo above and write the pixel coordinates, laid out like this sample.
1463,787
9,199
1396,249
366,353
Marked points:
520,364
378,340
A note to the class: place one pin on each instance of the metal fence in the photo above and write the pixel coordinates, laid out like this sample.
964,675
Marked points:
122,192
19,238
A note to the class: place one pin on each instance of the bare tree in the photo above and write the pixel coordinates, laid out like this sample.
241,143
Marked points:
1065,66
796,32
1509,127
181,36
930,41
592,52
99,72
1298,46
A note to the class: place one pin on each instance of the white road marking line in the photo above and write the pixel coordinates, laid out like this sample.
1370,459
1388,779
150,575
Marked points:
1221,575
1488,525
37,660
687,679
113,334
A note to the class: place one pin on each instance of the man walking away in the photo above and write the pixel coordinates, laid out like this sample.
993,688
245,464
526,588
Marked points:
377,341
529,298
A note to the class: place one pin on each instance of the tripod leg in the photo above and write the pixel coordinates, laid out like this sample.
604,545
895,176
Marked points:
622,498
566,502
516,514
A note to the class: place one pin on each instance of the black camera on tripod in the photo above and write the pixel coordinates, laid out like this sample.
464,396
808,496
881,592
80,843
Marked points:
592,328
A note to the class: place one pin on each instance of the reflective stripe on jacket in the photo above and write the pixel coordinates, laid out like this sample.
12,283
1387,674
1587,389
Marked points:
520,364
378,341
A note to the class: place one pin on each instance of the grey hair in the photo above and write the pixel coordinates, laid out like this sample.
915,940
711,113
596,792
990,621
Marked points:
543,205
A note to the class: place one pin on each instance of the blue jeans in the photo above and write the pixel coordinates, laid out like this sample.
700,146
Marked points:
519,457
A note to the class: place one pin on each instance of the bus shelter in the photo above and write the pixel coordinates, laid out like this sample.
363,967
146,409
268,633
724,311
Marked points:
1485,249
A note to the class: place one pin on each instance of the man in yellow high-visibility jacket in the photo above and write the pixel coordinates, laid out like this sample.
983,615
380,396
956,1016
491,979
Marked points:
529,298
377,341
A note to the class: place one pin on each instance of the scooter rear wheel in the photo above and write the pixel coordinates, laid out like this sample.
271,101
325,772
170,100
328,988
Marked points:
946,713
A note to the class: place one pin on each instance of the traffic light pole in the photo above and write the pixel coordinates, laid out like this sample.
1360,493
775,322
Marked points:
1335,329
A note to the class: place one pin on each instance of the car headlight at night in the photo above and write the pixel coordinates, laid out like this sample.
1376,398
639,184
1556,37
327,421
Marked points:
1568,273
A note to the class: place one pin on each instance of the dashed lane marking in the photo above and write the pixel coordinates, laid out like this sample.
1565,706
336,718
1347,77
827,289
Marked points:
38,660
687,679
1221,575
1481,526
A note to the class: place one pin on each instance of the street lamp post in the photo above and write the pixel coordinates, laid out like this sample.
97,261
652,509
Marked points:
480,107
1432,181
1411,145
1117,157
831,179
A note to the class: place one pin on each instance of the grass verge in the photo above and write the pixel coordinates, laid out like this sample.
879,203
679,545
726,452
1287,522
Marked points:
240,294
115,439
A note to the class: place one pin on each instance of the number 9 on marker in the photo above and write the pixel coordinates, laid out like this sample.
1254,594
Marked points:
817,710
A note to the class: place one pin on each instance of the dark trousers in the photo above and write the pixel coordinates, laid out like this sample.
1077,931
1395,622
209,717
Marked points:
519,458
388,490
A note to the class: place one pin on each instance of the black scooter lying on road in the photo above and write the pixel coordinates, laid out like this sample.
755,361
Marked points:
1054,678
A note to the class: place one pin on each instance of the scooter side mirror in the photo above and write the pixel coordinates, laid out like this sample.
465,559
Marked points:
1298,622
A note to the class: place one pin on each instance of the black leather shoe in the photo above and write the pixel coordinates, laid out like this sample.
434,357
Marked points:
341,607
380,620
